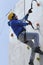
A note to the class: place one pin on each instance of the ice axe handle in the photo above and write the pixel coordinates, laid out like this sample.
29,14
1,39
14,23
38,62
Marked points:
32,26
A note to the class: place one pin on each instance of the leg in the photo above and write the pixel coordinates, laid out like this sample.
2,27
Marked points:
35,36
29,37
32,58
25,40
31,44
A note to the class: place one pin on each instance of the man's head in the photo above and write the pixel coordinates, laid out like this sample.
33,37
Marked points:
12,16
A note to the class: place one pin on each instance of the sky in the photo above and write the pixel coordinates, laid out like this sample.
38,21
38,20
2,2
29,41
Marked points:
5,7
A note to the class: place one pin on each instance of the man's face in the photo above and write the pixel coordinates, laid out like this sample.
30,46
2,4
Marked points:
15,17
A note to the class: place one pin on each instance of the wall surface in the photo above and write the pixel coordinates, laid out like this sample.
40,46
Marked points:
18,52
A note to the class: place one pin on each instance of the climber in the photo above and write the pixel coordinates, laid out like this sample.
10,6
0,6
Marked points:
19,30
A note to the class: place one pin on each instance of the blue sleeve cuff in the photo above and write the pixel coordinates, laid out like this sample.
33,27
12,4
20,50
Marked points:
9,23
26,16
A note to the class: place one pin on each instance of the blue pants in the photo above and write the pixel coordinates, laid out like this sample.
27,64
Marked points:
29,37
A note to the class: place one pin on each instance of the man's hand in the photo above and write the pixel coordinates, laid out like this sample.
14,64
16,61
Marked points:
29,22
30,11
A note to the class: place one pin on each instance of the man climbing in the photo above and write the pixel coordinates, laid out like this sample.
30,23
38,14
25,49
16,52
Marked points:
38,4
19,30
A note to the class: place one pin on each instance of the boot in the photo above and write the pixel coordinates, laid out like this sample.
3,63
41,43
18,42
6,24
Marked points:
37,50
31,62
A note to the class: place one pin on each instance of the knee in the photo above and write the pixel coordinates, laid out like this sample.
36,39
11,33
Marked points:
36,35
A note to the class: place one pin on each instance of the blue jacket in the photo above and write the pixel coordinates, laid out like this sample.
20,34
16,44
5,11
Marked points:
18,25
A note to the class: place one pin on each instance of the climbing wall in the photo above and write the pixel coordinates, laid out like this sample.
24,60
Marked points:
19,53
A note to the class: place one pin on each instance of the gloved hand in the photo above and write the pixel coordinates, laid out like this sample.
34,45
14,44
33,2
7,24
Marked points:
30,23
30,10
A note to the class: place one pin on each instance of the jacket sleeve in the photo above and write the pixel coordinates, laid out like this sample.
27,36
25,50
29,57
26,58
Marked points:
23,24
19,23
8,23
25,17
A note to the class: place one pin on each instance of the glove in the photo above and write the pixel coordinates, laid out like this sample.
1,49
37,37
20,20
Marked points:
30,23
30,11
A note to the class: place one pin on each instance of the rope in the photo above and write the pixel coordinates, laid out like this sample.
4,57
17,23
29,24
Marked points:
24,7
24,27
